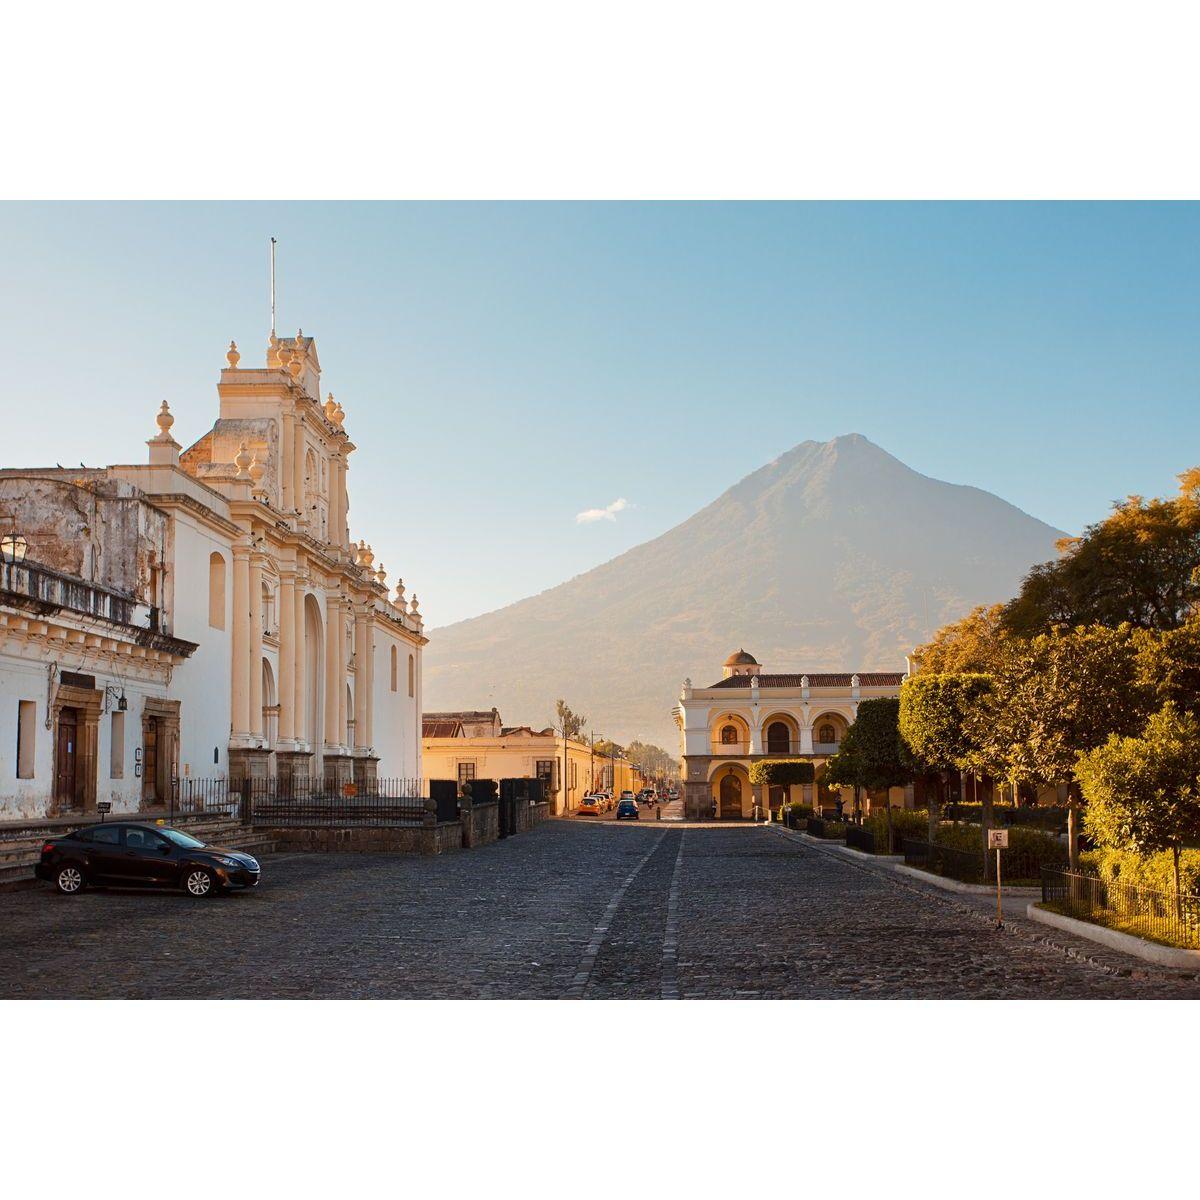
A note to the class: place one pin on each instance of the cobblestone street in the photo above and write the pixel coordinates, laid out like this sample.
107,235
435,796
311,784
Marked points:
570,909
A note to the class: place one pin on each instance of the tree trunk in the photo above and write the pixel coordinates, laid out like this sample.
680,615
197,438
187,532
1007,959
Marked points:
935,802
857,805
891,837
1178,896
987,812
1072,826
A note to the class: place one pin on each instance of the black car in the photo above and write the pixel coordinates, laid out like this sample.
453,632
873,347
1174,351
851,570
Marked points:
135,855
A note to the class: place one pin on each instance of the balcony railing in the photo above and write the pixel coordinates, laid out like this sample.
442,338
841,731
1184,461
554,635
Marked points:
771,749
738,749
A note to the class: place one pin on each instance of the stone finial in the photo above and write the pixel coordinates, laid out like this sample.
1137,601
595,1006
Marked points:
381,576
804,681
400,601
339,415
359,553
164,420
330,408
164,449
687,682
273,356
299,338
295,364
242,461
232,356
854,680
257,470
368,558
413,607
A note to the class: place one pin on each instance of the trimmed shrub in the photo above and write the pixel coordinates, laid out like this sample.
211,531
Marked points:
1153,871
906,823
781,772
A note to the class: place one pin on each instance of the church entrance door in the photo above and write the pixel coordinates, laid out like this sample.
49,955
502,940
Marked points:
731,799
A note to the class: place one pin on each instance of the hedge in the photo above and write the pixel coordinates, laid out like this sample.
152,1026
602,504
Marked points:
906,823
781,772
1153,871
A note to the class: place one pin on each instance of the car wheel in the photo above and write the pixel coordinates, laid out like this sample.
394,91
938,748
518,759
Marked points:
69,880
199,883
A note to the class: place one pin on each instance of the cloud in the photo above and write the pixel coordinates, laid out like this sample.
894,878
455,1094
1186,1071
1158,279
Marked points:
601,514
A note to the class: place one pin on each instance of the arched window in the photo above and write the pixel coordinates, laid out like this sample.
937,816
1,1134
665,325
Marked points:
216,591
268,608
395,657
827,734
729,735
412,676
779,739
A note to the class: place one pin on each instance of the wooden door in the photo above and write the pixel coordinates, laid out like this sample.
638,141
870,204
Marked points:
150,762
66,759
731,797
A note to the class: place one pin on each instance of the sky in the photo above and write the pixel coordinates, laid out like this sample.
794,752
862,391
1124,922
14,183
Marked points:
534,388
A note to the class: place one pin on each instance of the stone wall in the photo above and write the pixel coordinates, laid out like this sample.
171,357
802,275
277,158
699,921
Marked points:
429,839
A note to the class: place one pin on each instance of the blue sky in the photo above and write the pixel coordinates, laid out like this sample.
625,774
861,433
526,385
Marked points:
505,367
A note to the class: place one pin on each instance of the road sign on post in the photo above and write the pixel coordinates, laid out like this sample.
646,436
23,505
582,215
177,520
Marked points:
998,840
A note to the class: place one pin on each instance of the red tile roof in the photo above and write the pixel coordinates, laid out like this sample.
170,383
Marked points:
433,728
841,679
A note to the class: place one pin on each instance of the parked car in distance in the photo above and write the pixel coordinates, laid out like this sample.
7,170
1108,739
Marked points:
129,854
590,806
627,807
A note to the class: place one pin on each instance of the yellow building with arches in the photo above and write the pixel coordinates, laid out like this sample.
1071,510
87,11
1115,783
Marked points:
748,716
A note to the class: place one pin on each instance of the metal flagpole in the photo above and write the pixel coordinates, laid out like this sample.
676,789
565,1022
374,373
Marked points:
272,287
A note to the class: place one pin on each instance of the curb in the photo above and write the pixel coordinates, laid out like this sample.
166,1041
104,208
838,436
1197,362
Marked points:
896,863
1163,956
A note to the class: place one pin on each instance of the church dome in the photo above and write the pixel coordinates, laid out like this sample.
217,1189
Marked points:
741,659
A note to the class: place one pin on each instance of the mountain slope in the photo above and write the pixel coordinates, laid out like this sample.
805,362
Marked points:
828,557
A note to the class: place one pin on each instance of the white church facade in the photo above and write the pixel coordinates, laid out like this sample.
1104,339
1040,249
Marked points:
203,614
747,716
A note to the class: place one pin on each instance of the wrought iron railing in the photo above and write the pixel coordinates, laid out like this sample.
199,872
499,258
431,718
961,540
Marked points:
1018,865
1170,917
305,800
861,839
1050,818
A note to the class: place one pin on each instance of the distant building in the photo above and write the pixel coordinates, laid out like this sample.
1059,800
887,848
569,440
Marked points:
476,745
748,715
203,614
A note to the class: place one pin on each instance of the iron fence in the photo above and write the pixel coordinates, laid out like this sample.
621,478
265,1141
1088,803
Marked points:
304,800
861,839
1170,917
822,828
1018,865
1050,819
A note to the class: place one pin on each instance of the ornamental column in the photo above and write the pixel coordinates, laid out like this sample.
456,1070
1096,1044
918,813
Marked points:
343,664
300,664
334,640
287,471
241,644
287,659
336,516
369,739
298,495
254,655
361,687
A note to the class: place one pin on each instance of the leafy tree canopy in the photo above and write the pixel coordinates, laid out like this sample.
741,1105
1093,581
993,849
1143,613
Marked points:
1139,565
872,754
975,644
568,723
781,772
939,719
1064,692
1170,665
1143,792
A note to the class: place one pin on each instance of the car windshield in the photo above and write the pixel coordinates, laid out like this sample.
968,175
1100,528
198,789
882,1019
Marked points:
181,839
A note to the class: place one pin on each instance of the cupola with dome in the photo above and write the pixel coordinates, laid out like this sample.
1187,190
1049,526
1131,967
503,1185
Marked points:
741,663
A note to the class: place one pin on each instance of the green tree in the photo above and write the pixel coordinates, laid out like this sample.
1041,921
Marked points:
939,721
872,755
1138,566
1065,692
1143,793
568,725
974,644
1170,665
